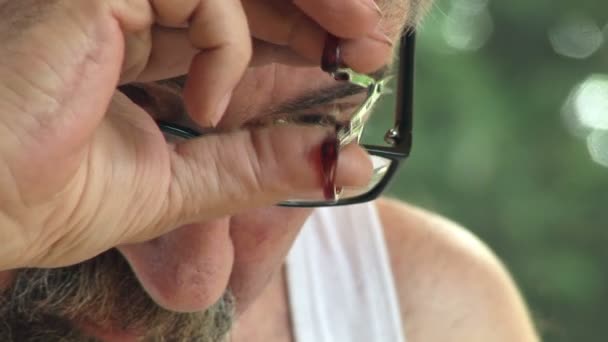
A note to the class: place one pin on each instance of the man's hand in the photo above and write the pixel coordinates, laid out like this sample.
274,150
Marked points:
83,169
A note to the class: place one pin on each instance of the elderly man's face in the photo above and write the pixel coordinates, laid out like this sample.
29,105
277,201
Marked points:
137,290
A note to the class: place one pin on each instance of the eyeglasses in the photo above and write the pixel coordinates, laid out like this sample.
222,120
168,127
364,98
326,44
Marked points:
386,156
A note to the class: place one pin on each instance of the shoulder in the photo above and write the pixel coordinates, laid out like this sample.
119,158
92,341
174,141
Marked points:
451,287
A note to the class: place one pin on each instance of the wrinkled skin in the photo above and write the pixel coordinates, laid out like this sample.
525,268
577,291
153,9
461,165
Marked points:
183,257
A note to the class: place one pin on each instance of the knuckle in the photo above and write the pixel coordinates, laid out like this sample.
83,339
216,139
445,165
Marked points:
239,167
274,155
180,195
259,160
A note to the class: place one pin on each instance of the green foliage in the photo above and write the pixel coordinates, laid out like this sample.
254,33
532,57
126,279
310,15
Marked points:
493,151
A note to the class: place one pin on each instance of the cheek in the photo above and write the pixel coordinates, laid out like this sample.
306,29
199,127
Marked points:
262,239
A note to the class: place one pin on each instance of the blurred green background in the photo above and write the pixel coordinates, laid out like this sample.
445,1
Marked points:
511,141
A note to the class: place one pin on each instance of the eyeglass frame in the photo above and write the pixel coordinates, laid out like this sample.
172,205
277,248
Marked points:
399,137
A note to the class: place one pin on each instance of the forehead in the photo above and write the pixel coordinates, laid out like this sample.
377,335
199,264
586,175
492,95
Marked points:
266,87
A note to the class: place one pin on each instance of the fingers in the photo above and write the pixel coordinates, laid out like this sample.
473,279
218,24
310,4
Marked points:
222,174
292,33
343,18
303,28
219,29
265,53
281,23
170,56
367,54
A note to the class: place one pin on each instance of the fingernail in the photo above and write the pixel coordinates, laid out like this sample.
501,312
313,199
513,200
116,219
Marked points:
221,108
373,6
332,58
329,161
381,37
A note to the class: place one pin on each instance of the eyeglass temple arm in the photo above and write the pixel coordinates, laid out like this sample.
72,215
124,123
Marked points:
401,135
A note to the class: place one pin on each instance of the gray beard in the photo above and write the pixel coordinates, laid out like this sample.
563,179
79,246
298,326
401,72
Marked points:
42,305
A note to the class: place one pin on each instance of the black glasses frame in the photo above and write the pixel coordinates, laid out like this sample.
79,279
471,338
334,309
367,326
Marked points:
399,137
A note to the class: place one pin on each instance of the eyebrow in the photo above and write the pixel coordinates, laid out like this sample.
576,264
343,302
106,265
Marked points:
323,96
307,101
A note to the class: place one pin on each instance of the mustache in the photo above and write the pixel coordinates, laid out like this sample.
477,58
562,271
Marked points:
44,304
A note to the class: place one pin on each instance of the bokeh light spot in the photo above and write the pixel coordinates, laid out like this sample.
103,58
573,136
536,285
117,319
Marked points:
597,143
576,37
591,102
469,25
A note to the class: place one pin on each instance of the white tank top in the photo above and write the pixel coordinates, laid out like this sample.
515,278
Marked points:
339,278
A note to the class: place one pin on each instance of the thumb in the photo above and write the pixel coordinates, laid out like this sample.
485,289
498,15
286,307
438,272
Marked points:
222,174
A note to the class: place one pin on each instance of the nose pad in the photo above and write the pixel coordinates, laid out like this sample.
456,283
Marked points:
186,270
